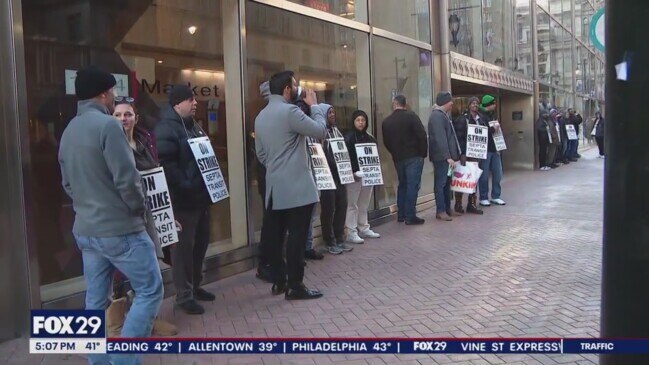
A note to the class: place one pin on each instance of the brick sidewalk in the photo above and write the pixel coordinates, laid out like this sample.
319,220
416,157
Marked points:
529,269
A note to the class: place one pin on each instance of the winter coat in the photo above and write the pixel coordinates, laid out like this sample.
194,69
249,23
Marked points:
404,135
600,127
443,143
186,185
461,124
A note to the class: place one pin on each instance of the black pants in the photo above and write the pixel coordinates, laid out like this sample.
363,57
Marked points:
600,145
276,223
333,212
543,149
188,255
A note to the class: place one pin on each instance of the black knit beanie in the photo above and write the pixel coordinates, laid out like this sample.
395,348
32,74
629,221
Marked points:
91,81
180,93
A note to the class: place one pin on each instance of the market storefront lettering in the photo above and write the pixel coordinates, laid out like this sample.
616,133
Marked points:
158,88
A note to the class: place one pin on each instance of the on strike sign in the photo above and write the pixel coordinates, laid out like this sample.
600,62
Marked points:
343,162
572,132
159,201
323,178
369,163
209,167
499,139
477,141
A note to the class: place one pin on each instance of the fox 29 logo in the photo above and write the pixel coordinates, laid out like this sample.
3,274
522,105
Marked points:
68,324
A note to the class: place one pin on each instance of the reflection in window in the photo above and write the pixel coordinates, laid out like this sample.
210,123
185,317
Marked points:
407,73
543,33
323,57
523,61
149,46
410,18
465,23
350,9
556,53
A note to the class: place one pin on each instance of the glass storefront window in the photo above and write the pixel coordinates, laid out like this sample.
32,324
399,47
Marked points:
578,21
556,9
493,22
328,58
465,23
556,53
350,9
566,17
568,69
407,73
545,4
410,18
523,62
544,35
149,46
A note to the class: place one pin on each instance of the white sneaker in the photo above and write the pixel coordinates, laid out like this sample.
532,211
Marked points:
498,201
368,233
354,238
485,203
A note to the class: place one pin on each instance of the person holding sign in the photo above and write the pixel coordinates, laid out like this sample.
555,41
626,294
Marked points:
461,125
281,132
333,203
598,132
492,165
575,120
145,156
99,175
544,138
358,196
555,140
189,197
405,138
444,152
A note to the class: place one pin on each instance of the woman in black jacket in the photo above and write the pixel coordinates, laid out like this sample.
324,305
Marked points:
358,196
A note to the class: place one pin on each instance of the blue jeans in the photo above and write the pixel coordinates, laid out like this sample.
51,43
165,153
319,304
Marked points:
491,166
409,173
135,256
442,186
573,146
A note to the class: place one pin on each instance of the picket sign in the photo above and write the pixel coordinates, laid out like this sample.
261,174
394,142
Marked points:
369,164
572,132
477,141
499,139
158,200
209,167
323,178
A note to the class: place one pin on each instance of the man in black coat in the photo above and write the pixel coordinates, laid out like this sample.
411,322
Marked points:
189,197
405,138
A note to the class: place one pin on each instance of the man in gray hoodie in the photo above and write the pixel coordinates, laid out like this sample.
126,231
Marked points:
99,174
444,151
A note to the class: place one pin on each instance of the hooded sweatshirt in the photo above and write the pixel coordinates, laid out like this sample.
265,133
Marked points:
332,132
355,136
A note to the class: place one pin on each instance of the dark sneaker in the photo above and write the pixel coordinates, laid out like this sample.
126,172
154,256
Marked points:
191,307
203,295
313,255
334,249
344,247
401,219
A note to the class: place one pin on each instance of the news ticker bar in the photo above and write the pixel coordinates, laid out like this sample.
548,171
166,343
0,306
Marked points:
337,346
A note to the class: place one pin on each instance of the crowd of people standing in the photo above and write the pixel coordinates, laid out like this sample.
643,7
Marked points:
103,152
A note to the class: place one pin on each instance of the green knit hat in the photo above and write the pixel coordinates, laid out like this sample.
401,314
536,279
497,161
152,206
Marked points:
488,100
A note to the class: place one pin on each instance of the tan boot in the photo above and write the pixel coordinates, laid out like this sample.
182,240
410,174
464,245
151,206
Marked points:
115,315
163,328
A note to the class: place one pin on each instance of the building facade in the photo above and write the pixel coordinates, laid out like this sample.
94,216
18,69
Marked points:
357,54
